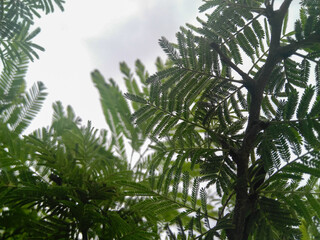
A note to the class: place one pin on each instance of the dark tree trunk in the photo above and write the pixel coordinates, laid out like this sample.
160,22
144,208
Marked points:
84,234
255,87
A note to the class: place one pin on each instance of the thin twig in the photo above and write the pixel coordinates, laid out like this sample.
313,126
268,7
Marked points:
225,205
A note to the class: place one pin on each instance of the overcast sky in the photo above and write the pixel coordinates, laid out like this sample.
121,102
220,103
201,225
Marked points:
98,34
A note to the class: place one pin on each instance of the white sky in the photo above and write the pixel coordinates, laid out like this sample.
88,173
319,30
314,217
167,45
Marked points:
98,34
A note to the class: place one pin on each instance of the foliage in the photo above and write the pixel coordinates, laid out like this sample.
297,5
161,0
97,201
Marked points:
246,134
63,181
69,182
117,110
16,32
17,106
232,119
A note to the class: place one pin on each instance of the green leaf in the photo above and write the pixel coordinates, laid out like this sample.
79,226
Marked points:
169,49
33,34
305,102
135,98
291,105
298,30
195,190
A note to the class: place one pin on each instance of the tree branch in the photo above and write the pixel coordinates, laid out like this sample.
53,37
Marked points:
281,169
252,9
275,19
288,50
284,7
225,204
305,56
256,89
247,80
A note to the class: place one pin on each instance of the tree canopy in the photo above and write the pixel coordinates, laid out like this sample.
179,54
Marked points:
222,142
17,34
239,104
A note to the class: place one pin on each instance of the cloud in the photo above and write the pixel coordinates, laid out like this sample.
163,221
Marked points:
138,36
98,34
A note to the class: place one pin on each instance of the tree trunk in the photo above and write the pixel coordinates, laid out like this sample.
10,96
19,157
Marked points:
256,89
84,234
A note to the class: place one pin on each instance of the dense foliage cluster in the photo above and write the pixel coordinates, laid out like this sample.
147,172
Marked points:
222,142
